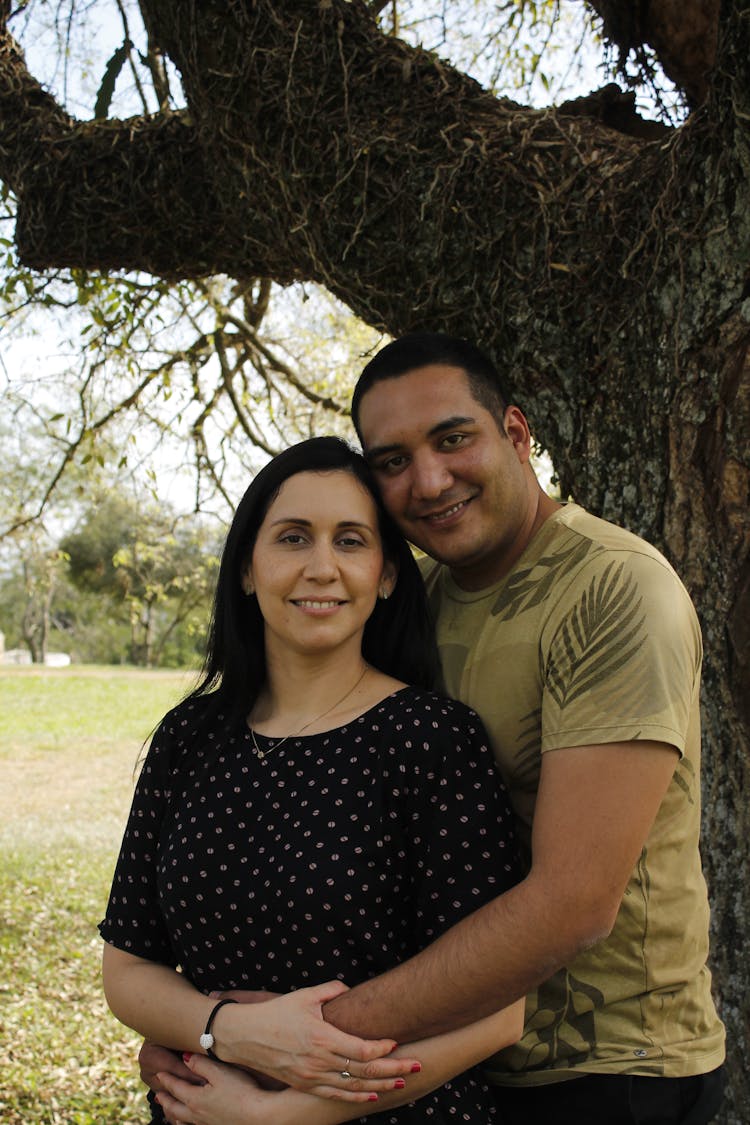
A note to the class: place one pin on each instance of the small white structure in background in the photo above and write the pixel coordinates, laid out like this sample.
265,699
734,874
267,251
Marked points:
23,656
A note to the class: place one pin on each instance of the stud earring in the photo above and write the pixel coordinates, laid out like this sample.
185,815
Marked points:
384,593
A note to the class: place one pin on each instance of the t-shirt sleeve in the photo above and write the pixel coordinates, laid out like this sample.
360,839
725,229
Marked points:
133,921
621,655
460,829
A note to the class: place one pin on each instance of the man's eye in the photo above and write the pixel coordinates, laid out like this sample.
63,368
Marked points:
453,439
392,464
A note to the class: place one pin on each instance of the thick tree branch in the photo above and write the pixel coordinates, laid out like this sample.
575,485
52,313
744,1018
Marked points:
322,149
101,184
683,34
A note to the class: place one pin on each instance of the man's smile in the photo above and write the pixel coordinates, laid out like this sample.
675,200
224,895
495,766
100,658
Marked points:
445,514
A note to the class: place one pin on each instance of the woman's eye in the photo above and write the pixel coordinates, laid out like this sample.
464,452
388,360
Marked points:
292,537
350,541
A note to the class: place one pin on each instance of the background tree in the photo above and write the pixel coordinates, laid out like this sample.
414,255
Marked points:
153,569
132,582
165,580
41,566
604,261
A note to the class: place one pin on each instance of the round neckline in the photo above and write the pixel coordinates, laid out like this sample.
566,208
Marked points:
294,739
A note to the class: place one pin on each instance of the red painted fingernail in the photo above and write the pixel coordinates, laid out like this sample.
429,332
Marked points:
416,1068
399,1084
186,1056
372,1098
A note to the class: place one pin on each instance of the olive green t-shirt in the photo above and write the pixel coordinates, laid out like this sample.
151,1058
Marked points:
592,639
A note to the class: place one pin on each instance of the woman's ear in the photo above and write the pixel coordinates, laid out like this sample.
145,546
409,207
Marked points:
388,581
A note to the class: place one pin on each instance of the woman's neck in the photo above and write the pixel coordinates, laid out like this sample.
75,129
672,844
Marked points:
300,691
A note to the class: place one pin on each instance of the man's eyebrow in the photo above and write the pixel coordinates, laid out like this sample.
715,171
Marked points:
439,428
450,423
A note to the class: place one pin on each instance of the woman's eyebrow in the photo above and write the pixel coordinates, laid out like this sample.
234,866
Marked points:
304,522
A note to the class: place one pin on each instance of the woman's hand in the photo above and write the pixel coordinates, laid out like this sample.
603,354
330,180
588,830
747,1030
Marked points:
288,1039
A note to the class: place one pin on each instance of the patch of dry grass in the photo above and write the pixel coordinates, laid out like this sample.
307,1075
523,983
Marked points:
69,741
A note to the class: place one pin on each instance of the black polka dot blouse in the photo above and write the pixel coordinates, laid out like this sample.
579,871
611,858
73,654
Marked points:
336,856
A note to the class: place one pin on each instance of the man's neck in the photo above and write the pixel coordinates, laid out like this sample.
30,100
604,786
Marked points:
476,578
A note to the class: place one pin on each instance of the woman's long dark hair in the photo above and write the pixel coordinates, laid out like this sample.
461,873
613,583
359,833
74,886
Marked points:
399,637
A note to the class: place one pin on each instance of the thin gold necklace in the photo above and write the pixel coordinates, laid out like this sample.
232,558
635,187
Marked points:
264,753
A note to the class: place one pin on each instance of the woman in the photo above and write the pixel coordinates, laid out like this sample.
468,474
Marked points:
298,815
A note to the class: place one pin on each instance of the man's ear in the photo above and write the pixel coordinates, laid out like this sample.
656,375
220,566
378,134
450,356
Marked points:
517,430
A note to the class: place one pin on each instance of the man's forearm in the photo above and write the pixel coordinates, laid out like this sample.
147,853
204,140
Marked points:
483,963
594,810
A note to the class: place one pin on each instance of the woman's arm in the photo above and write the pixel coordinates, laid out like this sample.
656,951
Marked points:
231,1098
285,1038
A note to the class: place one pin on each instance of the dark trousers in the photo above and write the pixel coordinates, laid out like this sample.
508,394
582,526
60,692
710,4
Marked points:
614,1099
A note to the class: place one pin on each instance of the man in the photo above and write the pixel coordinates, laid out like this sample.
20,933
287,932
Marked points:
580,649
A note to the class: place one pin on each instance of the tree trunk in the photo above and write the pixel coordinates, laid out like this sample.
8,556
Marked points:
609,276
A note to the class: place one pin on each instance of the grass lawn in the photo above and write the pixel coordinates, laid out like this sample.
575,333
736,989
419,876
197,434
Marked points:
69,743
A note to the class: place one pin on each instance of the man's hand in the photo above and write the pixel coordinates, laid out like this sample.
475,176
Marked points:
156,1062
152,1059
225,1096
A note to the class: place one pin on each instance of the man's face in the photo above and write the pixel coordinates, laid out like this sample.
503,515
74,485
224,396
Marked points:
457,486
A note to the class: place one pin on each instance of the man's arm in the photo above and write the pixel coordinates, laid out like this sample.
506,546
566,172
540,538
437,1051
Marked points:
594,810
229,1098
163,1005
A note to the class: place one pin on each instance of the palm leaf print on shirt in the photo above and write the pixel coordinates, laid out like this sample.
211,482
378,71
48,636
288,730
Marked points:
531,587
603,631
528,745
562,1027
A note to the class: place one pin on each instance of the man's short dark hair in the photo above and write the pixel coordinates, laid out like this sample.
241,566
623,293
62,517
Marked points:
421,349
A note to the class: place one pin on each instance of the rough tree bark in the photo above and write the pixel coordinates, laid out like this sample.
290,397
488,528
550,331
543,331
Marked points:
608,273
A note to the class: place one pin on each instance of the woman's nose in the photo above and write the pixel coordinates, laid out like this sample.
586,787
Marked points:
322,564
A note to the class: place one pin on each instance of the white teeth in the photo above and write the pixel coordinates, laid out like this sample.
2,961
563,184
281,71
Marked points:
309,604
449,512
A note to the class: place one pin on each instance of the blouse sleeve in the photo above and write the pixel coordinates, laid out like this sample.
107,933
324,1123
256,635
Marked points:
133,921
460,825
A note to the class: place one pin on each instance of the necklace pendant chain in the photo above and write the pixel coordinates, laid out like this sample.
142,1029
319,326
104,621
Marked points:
263,754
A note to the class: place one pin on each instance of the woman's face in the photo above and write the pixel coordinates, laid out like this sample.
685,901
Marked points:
317,567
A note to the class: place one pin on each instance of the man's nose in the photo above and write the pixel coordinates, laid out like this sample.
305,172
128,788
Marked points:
430,477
